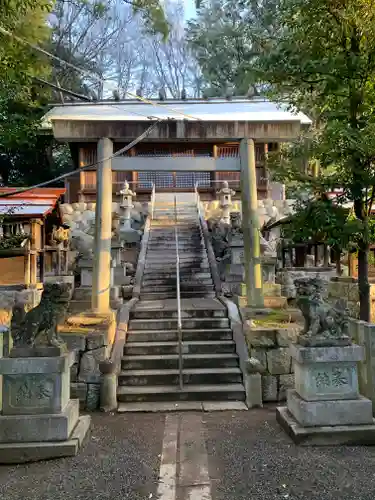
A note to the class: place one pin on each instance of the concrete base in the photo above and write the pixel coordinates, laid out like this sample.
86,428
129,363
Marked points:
321,413
324,435
18,453
40,428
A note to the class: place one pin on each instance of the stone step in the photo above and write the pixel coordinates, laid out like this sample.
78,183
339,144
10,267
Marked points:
191,313
183,247
173,406
173,288
217,376
76,306
171,324
192,347
172,240
154,268
185,255
155,362
171,233
160,278
172,295
172,335
189,392
172,282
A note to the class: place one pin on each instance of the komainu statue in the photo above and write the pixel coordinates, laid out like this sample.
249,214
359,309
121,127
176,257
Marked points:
325,325
40,323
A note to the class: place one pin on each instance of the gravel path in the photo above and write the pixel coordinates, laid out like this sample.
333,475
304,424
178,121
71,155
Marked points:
249,458
119,461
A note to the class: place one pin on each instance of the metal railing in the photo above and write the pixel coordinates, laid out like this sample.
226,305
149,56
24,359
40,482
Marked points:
152,201
179,321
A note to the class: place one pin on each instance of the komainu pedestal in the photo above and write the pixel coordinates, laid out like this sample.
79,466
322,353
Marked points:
38,419
325,406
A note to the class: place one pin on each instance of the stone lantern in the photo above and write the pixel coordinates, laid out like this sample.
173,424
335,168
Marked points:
225,200
126,232
126,205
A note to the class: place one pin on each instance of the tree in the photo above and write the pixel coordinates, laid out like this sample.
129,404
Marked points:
225,40
20,99
175,67
322,59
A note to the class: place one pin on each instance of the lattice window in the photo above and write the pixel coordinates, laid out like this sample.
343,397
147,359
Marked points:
89,179
233,179
162,180
203,178
184,180
119,177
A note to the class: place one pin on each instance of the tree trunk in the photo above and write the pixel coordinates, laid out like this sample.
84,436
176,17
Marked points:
363,284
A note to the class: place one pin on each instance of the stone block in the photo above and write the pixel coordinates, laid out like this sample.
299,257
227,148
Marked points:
74,373
35,385
286,382
259,336
287,336
259,353
350,435
74,341
83,293
326,373
89,367
279,361
329,413
47,427
253,387
343,290
272,289
78,390
269,388
275,302
86,278
96,340
17,453
93,397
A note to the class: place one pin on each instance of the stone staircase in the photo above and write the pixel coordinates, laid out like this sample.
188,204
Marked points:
149,378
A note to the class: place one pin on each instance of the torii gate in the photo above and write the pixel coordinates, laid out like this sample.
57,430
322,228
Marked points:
103,217
243,120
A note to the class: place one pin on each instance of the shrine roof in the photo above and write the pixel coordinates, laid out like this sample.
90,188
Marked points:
211,110
34,203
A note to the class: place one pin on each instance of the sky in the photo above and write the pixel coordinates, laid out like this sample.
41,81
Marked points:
189,8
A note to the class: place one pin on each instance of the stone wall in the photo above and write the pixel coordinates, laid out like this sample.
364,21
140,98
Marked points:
287,275
267,209
270,346
90,338
347,288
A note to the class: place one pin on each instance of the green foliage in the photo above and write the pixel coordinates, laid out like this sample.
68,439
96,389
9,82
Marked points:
12,241
225,39
322,220
153,14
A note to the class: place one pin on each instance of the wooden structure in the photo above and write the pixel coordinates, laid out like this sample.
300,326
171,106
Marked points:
26,226
197,142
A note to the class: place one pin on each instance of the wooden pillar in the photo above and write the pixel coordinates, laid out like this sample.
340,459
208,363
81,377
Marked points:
265,170
35,233
250,225
81,163
215,176
101,285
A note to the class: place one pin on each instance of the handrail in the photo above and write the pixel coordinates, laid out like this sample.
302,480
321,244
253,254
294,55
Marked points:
210,252
152,201
179,321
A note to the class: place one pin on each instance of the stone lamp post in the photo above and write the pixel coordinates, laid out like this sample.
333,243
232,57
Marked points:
126,232
225,199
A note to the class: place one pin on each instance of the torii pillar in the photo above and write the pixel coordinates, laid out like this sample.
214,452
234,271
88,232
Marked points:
250,225
101,283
